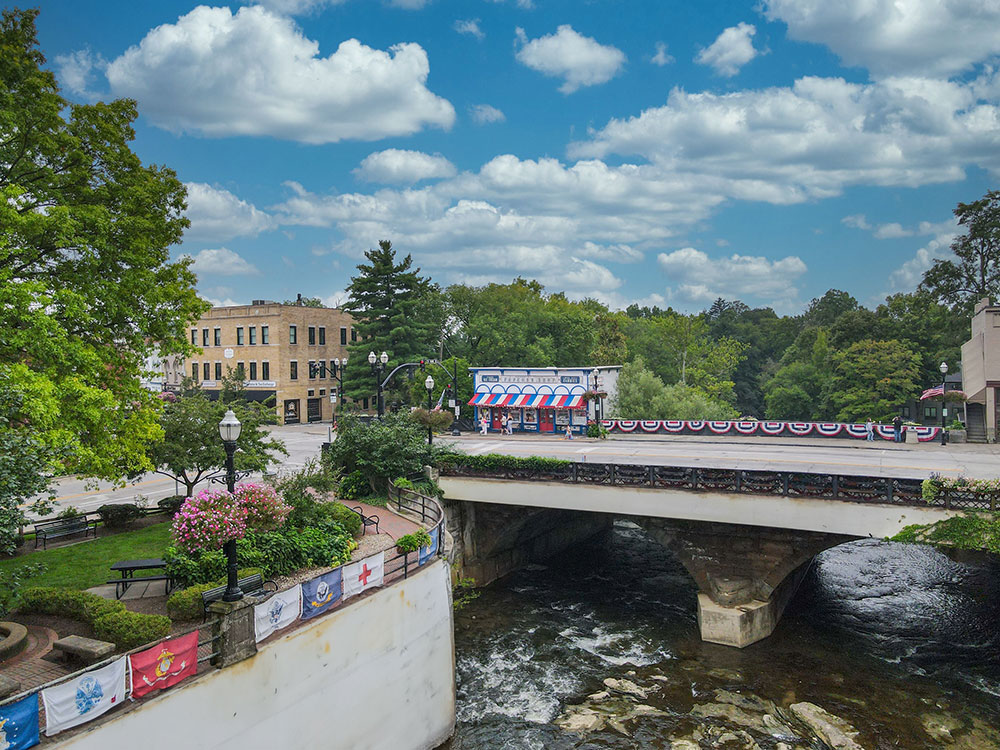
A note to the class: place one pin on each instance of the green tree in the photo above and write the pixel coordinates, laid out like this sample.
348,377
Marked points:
191,448
305,302
391,304
442,379
611,345
799,388
823,311
87,288
975,272
873,379
931,329
642,395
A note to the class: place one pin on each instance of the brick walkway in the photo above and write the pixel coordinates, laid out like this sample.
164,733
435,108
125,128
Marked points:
29,667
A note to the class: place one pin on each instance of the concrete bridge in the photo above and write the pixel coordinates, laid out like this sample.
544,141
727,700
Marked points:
746,537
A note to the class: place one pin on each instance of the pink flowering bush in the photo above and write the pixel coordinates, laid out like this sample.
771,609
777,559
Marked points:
264,509
205,522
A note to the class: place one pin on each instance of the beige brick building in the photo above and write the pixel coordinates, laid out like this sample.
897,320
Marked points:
981,372
275,345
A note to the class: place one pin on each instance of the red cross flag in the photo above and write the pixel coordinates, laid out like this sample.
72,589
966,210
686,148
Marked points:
364,574
164,665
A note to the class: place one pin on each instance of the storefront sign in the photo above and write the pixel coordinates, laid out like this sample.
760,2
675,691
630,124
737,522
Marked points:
260,384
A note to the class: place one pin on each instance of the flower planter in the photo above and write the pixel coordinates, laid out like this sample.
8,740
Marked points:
957,436
911,436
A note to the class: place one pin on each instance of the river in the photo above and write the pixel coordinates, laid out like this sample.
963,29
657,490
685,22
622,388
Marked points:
897,640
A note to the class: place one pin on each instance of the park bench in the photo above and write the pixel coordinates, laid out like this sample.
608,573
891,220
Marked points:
127,569
250,586
86,650
366,521
45,530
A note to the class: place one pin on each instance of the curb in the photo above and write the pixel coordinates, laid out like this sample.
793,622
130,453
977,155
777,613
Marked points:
15,639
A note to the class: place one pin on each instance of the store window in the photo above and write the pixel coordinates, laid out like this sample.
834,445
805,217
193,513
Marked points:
265,370
293,370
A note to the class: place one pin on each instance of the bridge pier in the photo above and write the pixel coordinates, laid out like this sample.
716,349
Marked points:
746,575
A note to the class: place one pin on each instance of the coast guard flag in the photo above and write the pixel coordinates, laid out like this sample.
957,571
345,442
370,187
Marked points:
87,697
163,665
428,552
278,612
320,594
364,574
19,724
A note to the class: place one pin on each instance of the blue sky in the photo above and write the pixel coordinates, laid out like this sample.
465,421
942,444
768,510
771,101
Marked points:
651,152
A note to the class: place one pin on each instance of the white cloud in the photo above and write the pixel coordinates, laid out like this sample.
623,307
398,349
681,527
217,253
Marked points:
894,230
785,145
696,278
856,221
579,60
77,69
731,50
399,166
484,114
661,57
222,261
469,26
897,37
296,7
523,4
217,215
255,73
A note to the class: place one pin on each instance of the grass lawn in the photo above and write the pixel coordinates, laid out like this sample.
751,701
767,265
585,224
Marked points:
87,564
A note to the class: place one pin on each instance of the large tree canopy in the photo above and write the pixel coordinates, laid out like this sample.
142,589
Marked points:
86,283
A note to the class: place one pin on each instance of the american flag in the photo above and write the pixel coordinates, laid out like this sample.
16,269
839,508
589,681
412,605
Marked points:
937,390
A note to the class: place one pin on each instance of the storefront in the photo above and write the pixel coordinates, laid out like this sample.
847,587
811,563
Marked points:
542,399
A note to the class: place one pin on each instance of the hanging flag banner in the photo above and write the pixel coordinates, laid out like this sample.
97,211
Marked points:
19,724
278,612
164,665
87,697
320,594
429,551
364,574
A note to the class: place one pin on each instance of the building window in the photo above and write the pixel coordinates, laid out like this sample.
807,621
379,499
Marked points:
364,403
206,371
253,335
312,369
194,371
265,370
322,391
354,335
239,336
343,336
292,335
194,337
322,336
264,339
312,335
204,337
930,412
311,393
906,412
293,370
253,370
218,337
331,370
240,370
218,371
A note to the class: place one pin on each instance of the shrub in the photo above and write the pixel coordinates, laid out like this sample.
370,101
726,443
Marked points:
188,569
68,512
186,604
353,486
596,430
437,420
498,462
413,542
119,516
343,515
171,504
130,629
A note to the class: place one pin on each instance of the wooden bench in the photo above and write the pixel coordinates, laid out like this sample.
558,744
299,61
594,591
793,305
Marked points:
45,530
366,521
86,650
249,586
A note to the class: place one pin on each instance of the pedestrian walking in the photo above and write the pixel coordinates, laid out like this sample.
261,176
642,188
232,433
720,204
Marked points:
569,432
870,430
510,425
897,429
483,425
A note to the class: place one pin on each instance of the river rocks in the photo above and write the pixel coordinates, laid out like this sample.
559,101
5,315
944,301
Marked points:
730,713
684,745
628,687
940,726
611,709
833,730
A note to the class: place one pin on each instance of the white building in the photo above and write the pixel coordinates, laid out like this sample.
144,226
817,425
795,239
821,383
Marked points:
543,399
162,373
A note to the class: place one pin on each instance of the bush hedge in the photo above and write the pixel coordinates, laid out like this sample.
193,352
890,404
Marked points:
496,461
115,516
171,504
186,604
413,542
354,486
110,620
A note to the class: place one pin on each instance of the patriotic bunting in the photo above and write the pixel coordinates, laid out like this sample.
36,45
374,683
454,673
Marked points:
88,696
19,724
164,665
768,427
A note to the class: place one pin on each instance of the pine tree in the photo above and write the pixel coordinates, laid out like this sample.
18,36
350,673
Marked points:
395,311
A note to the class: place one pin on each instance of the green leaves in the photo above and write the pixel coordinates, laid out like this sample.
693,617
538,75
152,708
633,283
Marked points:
642,395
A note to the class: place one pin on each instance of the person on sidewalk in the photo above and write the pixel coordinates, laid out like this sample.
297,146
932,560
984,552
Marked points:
569,432
897,429
483,425
503,424
869,430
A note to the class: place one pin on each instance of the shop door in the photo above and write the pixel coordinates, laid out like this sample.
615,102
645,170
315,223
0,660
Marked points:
314,409
496,418
291,411
545,420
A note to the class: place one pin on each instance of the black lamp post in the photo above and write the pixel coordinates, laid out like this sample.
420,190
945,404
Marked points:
944,385
378,367
337,373
429,385
229,430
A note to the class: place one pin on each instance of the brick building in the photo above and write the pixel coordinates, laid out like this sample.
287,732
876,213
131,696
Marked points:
274,345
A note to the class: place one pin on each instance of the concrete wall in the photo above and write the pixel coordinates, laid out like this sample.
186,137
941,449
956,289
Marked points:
377,674
805,514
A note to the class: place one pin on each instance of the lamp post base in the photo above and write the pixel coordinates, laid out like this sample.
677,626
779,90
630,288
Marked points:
233,591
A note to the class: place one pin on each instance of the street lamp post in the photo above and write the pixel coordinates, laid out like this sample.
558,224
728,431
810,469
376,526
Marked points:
378,367
229,431
944,385
429,385
337,373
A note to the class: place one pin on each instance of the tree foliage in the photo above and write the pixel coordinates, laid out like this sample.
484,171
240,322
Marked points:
872,379
642,395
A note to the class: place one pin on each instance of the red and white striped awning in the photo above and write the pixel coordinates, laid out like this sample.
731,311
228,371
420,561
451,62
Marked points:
528,401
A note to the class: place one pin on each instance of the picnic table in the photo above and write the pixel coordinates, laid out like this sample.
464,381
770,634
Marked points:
128,568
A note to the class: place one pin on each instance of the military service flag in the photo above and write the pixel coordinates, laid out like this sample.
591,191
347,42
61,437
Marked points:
426,553
19,724
164,665
278,612
320,594
88,696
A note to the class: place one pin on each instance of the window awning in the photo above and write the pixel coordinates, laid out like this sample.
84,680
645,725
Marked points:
528,401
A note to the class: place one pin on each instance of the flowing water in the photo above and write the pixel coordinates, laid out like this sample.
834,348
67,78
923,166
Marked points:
897,640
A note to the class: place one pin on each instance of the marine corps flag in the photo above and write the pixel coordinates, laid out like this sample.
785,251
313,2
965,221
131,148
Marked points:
164,665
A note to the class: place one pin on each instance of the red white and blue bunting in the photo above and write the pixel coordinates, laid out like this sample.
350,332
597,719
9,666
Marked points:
771,428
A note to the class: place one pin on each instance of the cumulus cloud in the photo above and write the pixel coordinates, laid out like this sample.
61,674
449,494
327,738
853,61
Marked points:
661,57
731,50
255,73
399,166
77,70
484,114
469,26
896,37
579,60
523,4
222,261
810,140
217,215
697,278
894,230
